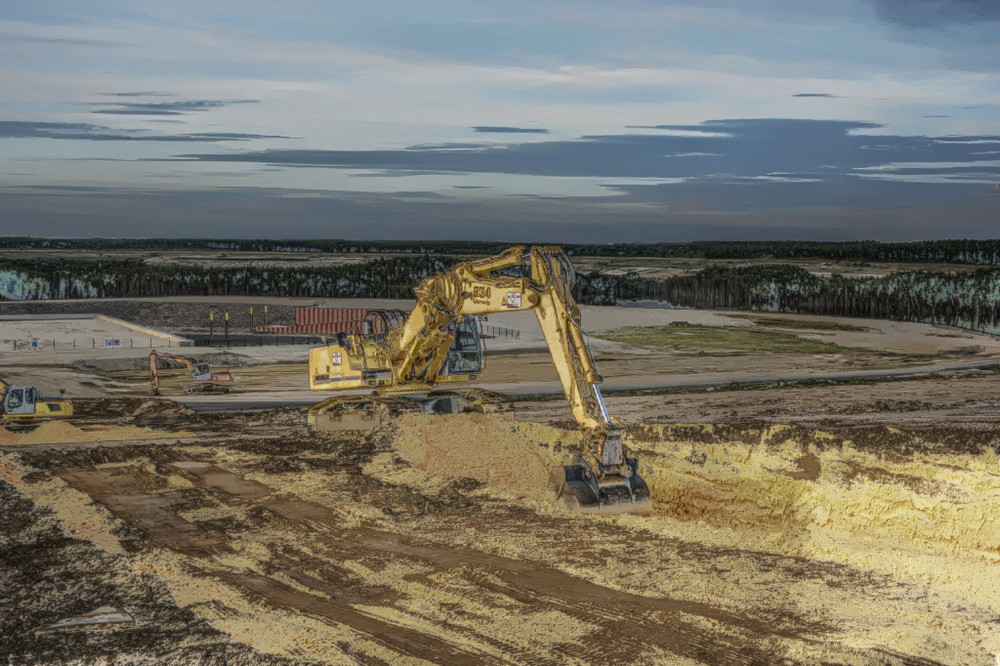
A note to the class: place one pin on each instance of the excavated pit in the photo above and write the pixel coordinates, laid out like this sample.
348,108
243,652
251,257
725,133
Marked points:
430,539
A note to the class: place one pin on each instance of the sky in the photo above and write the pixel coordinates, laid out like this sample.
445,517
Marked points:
540,121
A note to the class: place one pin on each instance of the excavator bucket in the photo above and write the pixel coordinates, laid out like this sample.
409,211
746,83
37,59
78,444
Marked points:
578,488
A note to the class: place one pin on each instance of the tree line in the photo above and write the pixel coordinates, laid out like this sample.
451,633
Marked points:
984,252
390,277
968,299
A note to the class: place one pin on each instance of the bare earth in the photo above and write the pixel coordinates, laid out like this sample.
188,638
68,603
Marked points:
849,522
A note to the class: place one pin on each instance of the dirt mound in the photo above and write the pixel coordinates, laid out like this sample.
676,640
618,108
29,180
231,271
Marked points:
515,456
111,407
56,432
224,359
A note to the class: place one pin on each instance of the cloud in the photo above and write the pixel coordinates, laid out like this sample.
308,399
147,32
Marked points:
936,13
169,108
11,37
721,165
285,213
714,150
486,129
827,95
13,129
146,93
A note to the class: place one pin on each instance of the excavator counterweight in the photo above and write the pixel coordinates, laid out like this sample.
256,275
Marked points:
439,342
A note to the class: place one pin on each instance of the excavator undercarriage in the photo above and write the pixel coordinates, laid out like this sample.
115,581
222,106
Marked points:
403,363
362,413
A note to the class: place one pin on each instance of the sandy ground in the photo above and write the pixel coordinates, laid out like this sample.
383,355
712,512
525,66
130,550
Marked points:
523,365
840,523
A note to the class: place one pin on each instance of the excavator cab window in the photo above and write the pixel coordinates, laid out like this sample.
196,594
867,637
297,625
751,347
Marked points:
20,400
202,372
466,353
15,398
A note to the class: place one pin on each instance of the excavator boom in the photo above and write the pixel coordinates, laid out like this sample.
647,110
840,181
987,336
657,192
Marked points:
421,353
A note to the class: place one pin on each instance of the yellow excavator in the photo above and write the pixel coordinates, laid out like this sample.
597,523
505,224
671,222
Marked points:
21,408
439,342
205,381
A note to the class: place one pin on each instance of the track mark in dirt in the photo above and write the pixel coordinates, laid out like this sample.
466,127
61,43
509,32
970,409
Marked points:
627,620
402,639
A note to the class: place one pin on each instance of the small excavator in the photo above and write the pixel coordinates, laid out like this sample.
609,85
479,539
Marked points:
439,342
205,381
21,408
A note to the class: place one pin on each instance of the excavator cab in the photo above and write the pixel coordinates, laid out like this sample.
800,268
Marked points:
19,400
465,357
202,372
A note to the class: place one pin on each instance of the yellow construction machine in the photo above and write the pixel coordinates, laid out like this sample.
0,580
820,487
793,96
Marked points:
205,381
21,408
439,342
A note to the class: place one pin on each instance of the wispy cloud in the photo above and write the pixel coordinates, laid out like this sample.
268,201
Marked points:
488,129
718,151
169,108
937,13
85,131
147,93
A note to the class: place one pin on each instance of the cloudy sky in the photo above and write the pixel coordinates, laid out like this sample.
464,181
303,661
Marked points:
575,121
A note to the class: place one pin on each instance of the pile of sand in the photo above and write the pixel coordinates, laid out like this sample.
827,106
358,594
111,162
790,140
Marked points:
515,456
56,432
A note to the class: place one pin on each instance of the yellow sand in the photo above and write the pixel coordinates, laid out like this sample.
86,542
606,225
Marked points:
516,456
929,520
55,432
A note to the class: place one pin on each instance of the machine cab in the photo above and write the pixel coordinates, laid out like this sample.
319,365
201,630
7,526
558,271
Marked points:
465,357
19,400
202,372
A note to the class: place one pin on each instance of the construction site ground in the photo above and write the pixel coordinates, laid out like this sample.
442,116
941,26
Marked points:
819,515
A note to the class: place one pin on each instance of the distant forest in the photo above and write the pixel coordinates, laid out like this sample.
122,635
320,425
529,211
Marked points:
975,252
970,299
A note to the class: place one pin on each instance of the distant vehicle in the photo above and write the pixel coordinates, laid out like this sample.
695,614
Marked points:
205,382
21,408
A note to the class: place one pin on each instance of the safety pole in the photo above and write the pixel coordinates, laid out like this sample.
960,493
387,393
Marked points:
227,329
211,322
251,319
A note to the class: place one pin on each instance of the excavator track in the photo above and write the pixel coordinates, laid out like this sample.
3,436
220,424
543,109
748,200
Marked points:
208,390
363,413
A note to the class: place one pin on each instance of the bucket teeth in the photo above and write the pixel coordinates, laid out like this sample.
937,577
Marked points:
578,488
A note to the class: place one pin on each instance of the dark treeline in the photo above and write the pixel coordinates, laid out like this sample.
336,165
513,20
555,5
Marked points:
391,277
975,252
968,299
